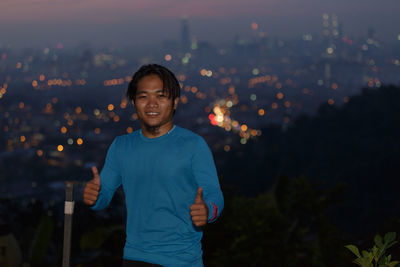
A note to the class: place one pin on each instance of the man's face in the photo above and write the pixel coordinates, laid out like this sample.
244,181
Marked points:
152,104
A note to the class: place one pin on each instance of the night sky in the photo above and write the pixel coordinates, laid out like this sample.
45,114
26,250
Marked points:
124,22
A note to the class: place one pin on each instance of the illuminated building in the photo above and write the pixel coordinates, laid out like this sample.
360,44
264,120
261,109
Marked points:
332,33
185,36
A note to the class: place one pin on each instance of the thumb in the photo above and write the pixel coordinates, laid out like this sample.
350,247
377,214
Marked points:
199,196
96,176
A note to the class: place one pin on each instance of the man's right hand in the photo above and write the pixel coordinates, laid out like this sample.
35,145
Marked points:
92,188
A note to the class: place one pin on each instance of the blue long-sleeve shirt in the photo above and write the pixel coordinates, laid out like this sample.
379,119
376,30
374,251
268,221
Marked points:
160,177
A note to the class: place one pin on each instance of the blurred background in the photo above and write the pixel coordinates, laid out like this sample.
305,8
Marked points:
299,100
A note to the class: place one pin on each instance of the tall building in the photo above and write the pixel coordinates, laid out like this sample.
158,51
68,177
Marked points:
331,28
185,35
335,27
331,32
325,25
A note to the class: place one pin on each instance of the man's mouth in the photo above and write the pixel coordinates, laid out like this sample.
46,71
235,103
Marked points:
152,113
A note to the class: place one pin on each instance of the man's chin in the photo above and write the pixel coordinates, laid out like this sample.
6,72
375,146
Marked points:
151,125
152,128
148,124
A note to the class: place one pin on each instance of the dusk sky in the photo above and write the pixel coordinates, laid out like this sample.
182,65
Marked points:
122,22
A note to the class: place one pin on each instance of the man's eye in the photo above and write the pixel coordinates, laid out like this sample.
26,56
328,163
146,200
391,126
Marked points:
161,95
141,96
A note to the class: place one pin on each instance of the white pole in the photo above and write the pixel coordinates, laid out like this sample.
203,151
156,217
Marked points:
68,212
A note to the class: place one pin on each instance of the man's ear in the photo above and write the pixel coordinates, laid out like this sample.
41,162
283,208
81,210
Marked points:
176,101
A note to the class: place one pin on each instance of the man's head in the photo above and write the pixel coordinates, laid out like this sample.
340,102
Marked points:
154,91
171,85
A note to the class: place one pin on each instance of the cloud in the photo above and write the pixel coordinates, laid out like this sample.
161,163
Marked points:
27,3
106,10
273,16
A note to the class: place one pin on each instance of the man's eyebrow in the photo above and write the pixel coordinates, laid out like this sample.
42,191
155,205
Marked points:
146,92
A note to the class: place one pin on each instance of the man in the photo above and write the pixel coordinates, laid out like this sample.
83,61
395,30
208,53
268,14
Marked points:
168,176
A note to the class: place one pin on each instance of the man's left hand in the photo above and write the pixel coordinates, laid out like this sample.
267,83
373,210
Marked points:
199,210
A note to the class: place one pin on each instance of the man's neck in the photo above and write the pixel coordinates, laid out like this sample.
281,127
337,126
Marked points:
156,131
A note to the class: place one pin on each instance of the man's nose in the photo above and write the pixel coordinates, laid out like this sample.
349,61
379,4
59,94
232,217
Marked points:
153,101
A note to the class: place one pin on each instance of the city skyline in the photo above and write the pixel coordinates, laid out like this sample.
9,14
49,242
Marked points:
37,23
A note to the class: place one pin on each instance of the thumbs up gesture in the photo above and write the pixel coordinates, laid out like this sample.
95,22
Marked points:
199,210
92,188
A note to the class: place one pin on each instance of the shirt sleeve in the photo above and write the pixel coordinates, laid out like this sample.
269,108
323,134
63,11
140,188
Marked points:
205,173
110,177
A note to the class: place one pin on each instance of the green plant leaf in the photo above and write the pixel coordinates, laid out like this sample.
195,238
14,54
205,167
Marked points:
384,260
378,241
353,249
367,255
363,262
391,244
375,252
359,261
389,237
94,238
41,242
